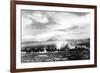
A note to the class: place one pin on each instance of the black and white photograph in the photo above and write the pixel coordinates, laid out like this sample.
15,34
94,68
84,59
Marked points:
50,36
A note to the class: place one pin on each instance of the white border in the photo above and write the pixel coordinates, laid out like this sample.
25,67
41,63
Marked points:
20,65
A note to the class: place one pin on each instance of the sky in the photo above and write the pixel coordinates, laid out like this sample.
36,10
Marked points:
54,25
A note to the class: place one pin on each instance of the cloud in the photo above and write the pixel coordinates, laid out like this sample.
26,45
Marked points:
45,25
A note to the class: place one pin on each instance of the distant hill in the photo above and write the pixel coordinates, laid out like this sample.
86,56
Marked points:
51,41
